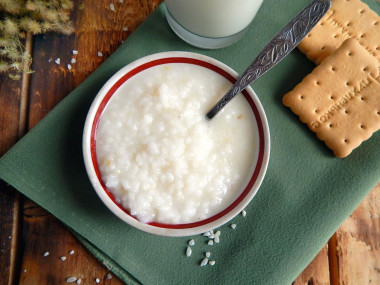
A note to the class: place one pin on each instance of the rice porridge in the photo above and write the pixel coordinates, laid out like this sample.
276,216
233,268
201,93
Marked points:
161,158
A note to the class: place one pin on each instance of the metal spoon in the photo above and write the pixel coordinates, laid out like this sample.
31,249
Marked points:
279,47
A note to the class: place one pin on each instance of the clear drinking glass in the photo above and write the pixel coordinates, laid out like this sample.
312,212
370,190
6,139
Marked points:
211,24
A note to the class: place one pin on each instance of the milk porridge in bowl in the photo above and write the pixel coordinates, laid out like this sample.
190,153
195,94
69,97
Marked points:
154,158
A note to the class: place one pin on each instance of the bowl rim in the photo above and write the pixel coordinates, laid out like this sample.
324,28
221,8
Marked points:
89,139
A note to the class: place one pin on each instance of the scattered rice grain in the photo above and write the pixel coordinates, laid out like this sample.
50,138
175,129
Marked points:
121,1
243,213
71,252
204,262
71,279
97,280
57,61
63,258
210,242
100,54
188,251
211,262
125,29
216,240
112,7
109,276
69,66
206,234
46,253
79,281
208,254
191,242
75,51
73,60
233,226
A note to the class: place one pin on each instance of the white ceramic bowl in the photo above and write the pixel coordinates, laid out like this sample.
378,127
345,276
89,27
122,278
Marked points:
89,145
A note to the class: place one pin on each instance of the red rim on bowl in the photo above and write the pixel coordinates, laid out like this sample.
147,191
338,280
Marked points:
258,170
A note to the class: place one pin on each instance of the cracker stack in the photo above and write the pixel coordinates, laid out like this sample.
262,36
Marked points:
340,99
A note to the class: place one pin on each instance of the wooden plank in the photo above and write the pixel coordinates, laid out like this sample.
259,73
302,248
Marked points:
13,120
9,236
47,258
358,243
97,29
100,29
10,92
352,255
317,272
25,85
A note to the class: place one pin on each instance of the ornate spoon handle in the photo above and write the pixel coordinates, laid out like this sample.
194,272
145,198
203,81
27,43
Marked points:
279,47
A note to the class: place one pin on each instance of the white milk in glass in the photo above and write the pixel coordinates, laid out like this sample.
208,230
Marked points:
211,23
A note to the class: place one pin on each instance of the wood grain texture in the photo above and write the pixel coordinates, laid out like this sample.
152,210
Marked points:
317,272
98,29
358,243
9,240
10,91
10,113
48,256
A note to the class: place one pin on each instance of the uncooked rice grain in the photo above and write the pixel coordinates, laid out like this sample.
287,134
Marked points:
204,262
71,279
188,251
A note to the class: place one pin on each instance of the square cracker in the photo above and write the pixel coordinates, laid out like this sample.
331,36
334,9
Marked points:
340,99
345,19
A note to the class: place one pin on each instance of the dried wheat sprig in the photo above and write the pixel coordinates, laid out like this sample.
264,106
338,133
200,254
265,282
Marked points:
18,17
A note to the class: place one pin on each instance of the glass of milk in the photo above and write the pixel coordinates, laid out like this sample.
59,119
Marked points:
211,24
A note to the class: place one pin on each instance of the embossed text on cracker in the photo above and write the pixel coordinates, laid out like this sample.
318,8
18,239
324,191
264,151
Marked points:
331,110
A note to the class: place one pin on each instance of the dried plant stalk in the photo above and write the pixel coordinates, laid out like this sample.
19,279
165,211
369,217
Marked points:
18,17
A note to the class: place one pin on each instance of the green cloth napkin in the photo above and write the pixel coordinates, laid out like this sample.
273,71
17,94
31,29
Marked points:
306,194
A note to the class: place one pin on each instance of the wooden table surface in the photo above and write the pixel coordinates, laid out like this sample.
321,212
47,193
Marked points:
352,256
